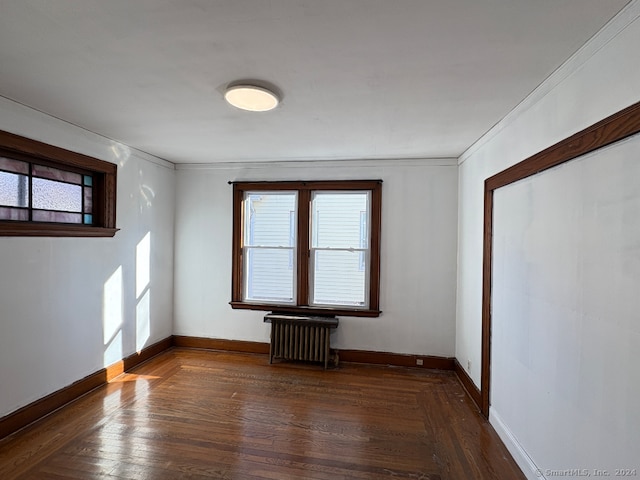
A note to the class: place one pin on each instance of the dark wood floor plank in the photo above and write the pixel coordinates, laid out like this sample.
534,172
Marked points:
200,414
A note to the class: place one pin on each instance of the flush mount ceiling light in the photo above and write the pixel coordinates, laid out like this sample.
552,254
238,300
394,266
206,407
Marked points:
251,97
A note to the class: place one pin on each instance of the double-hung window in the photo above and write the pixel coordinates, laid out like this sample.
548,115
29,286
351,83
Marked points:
307,247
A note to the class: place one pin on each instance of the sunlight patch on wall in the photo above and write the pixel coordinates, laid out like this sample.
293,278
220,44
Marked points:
143,321
112,317
121,153
147,193
143,291
113,351
143,264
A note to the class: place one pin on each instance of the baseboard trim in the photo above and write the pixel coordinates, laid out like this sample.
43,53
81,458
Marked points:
467,384
42,407
519,454
241,346
396,359
131,361
351,356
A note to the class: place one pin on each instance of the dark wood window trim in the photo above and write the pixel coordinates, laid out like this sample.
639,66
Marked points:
612,129
304,190
104,188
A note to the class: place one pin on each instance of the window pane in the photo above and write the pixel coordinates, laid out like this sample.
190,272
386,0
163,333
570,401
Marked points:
50,195
12,165
88,200
57,217
7,213
338,278
55,174
14,190
268,276
267,219
337,219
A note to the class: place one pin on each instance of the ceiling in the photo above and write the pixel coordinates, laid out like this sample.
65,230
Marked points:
363,79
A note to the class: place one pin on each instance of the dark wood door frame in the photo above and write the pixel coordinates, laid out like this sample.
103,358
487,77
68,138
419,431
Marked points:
610,130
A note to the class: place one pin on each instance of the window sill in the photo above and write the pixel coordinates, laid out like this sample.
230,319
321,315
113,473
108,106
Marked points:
348,312
19,229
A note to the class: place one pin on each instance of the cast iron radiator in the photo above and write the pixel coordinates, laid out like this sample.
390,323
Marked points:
300,337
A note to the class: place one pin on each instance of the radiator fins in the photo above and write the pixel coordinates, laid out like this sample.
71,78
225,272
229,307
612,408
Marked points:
300,342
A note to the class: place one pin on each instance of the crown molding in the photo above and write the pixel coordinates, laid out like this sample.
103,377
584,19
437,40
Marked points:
48,129
306,164
623,19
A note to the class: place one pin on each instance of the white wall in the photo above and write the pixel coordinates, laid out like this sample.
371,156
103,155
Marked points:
418,254
566,322
602,78
70,306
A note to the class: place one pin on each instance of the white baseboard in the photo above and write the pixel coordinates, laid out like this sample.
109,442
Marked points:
524,461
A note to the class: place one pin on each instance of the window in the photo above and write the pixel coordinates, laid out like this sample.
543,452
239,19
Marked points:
307,247
268,248
49,191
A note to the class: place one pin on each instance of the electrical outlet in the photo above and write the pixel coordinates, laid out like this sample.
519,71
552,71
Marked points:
419,362
468,365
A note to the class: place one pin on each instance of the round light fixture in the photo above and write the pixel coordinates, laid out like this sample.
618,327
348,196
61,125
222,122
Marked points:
251,97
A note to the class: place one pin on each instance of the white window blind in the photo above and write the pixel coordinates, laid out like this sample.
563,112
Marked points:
339,263
269,247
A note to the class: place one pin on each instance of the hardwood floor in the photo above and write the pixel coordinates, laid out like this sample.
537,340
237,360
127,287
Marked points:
201,414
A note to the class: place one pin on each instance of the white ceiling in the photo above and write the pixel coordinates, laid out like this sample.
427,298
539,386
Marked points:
360,78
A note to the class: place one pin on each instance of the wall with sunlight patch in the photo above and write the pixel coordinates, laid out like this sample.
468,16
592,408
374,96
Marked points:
70,306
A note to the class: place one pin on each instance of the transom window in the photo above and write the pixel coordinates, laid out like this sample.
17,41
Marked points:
49,191
307,247
38,193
